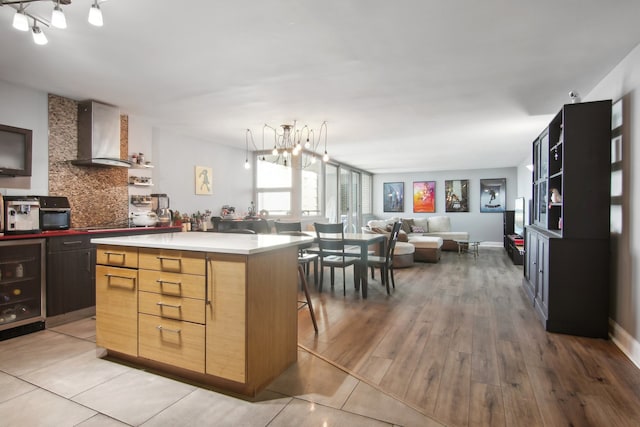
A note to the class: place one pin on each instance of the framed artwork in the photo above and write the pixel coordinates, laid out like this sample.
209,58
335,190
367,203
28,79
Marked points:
203,180
456,195
493,195
393,196
424,196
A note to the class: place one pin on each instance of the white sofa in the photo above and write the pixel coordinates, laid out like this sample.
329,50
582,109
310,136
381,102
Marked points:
428,234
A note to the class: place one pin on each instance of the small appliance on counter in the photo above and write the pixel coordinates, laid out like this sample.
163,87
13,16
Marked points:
144,219
55,213
21,215
160,205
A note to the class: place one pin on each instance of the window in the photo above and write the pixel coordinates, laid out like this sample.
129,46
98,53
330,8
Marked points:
273,186
311,186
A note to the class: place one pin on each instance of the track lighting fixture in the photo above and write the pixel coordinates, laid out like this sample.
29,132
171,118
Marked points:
58,19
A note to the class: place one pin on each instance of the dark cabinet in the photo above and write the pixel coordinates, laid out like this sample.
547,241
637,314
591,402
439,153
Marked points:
507,226
566,272
70,274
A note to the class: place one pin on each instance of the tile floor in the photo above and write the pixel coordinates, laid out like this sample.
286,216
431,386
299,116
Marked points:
54,378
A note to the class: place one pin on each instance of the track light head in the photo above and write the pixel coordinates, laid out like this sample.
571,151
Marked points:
95,14
20,20
58,19
38,36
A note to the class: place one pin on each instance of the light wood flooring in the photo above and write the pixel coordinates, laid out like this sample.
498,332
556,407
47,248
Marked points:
459,341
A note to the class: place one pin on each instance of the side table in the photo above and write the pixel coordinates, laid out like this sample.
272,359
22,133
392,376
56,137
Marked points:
468,246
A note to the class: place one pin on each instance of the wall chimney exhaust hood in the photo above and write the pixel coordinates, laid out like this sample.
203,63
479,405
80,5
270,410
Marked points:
99,136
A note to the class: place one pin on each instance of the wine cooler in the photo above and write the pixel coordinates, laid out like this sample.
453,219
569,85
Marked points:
22,279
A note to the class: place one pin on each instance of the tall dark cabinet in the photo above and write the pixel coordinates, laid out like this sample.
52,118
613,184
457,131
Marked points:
507,226
566,272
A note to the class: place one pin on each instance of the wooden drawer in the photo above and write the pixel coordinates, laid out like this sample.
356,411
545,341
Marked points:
166,306
172,261
176,284
117,309
68,243
173,342
118,256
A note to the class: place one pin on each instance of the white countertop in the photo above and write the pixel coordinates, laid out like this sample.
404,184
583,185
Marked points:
230,243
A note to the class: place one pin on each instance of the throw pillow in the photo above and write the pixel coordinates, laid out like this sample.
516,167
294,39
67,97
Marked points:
406,225
417,229
402,236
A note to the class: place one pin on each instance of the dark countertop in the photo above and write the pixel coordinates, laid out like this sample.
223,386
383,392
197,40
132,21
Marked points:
85,231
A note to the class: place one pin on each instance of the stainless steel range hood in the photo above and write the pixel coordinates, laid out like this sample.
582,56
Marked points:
99,136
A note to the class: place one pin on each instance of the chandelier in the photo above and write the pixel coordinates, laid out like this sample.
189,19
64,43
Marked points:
58,20
289,141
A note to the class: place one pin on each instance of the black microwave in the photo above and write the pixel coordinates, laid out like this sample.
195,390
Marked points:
55,213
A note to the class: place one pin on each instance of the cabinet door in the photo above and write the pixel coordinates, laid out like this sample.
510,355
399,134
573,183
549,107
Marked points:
531,267
542,280
70,281
117,309
226,320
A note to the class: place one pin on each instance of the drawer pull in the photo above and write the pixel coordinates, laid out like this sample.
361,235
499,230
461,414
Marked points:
72,242
115,276
162,304
170,259
120,254
161,329
162,282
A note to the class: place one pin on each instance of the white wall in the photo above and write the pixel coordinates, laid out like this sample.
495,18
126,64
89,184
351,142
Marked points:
175,158
623,82
485,227
26,108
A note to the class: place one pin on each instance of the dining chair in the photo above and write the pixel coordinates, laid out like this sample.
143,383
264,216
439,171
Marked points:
385,263
331,244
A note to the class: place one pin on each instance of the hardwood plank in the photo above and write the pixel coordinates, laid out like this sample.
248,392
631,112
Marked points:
422,390
484,357
486,406
454,392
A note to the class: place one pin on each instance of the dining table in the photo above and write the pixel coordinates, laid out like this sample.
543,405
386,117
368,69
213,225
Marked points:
362,241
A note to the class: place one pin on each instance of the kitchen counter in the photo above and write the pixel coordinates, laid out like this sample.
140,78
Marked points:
85,231
229,243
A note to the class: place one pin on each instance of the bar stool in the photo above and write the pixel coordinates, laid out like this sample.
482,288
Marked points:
307,303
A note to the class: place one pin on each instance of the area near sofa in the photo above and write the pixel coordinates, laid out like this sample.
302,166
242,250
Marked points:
428,235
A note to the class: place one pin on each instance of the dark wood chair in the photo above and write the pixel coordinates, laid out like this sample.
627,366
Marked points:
385,263
331,244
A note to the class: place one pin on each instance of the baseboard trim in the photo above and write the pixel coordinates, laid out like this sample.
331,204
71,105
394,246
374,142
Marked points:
625,342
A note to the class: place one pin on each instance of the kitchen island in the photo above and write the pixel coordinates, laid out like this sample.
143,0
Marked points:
216,308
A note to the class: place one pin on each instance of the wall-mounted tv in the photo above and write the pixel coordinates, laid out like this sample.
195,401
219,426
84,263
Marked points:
518,217
15,151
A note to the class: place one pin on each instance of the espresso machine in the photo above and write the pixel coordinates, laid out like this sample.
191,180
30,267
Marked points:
21,214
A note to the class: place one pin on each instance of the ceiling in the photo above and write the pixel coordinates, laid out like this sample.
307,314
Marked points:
405,85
